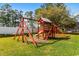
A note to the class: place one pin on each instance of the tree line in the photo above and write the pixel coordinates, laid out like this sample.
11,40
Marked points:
58,13
10,17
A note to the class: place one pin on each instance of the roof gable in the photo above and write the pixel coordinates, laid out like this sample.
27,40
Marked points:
45,20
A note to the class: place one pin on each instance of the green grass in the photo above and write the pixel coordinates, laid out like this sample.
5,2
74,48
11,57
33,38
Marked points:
10,47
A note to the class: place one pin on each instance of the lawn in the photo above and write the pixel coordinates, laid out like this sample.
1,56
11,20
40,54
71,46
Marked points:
55,47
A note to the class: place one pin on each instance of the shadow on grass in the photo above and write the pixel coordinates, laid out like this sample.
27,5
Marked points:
5,36
55,40
60,38
73,33
51,41
8,35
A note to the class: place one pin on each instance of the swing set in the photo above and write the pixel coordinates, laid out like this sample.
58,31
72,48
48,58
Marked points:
21,28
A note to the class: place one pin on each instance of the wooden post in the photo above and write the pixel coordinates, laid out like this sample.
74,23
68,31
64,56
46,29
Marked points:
43,32
38,32
23,30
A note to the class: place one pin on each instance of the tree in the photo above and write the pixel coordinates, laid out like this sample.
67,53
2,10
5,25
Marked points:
5,14
29,14
9,16
77,17
56,12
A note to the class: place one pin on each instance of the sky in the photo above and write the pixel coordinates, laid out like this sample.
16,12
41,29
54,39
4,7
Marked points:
72,7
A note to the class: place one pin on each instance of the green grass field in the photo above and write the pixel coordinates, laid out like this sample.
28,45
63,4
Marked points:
70,47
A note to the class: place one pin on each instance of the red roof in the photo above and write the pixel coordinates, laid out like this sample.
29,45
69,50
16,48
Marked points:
42,20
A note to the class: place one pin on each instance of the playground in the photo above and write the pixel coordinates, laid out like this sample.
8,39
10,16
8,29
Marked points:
49,40
50,33
55,47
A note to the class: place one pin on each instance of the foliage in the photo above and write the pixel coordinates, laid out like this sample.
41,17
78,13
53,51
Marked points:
29,14
9,16
77,17
57,13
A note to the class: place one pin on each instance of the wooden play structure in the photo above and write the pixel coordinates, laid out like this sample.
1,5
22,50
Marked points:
46,29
